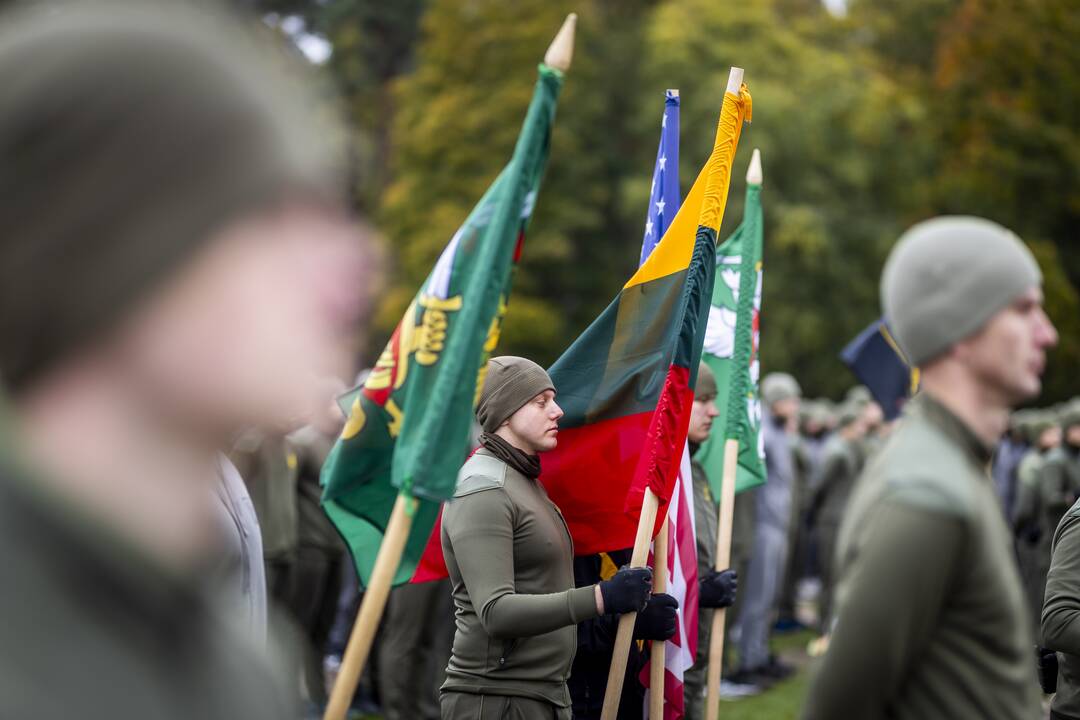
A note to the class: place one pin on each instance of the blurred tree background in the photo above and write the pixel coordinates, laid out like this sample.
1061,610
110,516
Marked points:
868,120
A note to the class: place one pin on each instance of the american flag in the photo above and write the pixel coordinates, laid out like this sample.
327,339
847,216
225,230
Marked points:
680,650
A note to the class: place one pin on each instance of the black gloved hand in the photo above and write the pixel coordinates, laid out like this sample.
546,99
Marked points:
627,591
718,589
657,620
1046,665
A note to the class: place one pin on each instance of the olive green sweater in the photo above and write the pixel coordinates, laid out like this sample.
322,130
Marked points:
1061,612
510,559
931,621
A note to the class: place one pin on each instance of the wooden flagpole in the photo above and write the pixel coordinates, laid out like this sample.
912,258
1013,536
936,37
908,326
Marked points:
558,56
723,535
657,652
624,636
723,559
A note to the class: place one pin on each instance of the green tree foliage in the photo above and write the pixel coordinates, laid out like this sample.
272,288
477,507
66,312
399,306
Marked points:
458,117
868,123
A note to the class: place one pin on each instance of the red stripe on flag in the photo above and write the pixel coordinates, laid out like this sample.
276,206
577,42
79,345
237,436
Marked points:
661,453
432,565
588,475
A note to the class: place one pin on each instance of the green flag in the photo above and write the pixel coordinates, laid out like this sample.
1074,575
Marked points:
409,424
731,351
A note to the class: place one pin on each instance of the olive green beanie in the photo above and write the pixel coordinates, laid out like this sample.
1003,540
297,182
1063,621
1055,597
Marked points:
131,133
947,277
509,383
705,389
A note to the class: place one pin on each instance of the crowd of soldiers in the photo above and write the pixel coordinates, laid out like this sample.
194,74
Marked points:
179,276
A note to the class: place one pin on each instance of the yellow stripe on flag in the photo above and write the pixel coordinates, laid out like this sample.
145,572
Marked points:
674,250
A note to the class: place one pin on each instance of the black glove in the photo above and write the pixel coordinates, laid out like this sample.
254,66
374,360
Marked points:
627,591
1046,664
657,620
718,589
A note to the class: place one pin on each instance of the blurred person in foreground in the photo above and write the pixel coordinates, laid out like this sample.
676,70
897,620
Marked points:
510,558
174,266
930,618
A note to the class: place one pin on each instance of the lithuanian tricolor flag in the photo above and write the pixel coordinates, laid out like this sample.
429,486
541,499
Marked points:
626,384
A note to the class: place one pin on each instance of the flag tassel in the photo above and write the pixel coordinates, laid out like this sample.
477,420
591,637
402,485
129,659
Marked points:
657,668
624,636
371,607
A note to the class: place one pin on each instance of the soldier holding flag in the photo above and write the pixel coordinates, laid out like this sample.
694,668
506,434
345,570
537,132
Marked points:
510,559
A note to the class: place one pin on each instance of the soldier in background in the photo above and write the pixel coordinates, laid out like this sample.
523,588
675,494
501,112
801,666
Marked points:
840,467
1033,536
175,265
320,552
930,618
780,394
1010,451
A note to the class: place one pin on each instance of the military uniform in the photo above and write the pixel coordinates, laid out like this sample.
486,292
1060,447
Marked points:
836,478
706,519
320,554
510,559
930,617
1033,539
417,632
1061,614
765,575
94,629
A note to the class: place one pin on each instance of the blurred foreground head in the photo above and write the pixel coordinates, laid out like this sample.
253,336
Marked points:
176,262
171,214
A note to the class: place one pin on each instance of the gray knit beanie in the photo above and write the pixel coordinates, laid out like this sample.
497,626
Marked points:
509,383
779,386
947,277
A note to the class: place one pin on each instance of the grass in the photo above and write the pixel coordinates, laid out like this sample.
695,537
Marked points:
784,700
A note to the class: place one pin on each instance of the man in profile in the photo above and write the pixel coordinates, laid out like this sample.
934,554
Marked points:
930,617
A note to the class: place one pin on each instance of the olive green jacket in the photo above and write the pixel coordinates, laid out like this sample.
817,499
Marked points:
92,628
931,621
1061,612
510,559
314,526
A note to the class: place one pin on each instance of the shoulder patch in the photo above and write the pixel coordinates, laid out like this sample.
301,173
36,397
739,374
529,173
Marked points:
479,473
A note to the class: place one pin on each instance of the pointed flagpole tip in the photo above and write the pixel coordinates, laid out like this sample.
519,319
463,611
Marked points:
753,173
561,50
734,81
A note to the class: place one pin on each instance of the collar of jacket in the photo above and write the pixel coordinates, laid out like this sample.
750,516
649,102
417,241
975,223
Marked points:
953,427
